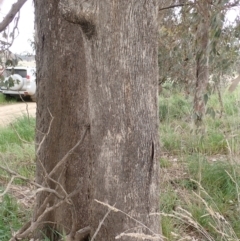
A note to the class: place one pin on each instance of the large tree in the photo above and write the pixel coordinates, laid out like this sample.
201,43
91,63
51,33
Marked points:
97,119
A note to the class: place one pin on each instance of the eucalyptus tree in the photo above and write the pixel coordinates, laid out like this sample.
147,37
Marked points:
197,44
97,120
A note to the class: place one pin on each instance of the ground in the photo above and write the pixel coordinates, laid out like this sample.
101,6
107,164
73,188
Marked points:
9,112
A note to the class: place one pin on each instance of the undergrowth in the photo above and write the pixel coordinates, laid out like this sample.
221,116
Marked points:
6,100
11,217
17,154
200,198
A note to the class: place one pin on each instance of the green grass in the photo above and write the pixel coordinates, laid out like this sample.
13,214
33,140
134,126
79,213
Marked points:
6,100
204,202
21,131
200,198
17,153
179,137
11,217
17,146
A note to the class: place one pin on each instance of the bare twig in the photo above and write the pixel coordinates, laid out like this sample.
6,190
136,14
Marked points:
175,6
16,175
100,224
8,187
19,137
61,194
138,236
64,159
26,107
45,135
114,209
34,225
82,233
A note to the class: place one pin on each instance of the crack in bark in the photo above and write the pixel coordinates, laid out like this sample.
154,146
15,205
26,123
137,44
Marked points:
151,164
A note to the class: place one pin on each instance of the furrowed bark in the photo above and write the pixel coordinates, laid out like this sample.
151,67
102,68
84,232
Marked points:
62,92
123,77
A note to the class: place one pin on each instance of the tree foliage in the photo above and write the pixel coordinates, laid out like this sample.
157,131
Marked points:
178,41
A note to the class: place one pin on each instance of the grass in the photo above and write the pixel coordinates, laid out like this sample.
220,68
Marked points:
17,146
201,201
11,217
6,100
19,132
200,194
17,153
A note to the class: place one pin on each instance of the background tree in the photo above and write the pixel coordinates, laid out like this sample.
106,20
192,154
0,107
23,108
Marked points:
202,60
194,35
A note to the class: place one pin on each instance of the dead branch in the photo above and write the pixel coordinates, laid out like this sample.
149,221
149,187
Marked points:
8,187
46,176
19,137
62,198
26,107
175,6
16,175
11,14
64,159
142,236
226,6
80,234
34,224
100,224
114,209
45,135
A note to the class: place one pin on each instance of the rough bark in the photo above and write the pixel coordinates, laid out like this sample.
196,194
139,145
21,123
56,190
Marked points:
202,61
62,93
117,83
123,76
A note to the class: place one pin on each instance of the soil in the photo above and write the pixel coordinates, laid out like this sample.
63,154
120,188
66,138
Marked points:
10,112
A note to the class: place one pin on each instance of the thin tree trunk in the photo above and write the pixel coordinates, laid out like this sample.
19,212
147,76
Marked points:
202,61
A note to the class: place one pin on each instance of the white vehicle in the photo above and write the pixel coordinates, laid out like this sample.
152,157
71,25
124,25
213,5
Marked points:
19,81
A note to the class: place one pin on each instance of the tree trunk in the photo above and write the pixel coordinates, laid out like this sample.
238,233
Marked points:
202,61
105,75
123,114
62,95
